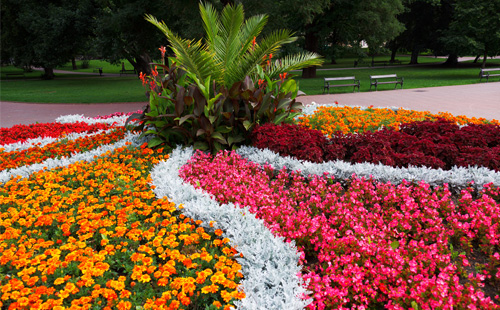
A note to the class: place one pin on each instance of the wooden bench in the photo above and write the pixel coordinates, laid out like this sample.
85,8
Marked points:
328,83
387,62
485,73
126,71
374,80
382,62
15,74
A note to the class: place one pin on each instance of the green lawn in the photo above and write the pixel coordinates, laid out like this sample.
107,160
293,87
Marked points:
414,77
71,88
94,64
75,89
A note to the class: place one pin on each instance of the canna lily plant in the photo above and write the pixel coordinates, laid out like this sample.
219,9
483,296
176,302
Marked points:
231,49
213,93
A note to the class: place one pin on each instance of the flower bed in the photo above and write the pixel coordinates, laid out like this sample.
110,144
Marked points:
436,144
60,148
369,244
363,243
331,119
22,133
93,235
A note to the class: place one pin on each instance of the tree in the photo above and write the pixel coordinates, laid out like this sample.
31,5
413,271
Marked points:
232,49
45,35
420,18
337,23
123,33
474,29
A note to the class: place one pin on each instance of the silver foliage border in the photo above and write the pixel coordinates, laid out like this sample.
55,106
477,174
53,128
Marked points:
457,178
269,264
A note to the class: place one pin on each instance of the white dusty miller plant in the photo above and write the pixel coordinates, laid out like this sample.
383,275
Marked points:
269,264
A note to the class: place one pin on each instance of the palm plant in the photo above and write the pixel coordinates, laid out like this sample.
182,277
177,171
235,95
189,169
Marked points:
230,50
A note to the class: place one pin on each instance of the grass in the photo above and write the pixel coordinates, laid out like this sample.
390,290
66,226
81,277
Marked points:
73,89
94,64
80,88
414,76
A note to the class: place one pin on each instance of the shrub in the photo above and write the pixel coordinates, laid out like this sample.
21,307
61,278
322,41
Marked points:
439,144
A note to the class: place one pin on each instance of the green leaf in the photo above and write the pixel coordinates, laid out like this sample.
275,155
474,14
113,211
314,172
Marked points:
247,124
154,142
218,136
289,86
199,145
212,118
224,129
151,131
185,118
283,104
395,245
414,305
235,139
279,119
104,237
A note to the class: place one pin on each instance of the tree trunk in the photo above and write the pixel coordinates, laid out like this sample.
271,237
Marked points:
141,63
414,55
483,65
334,61
452,60
476,59
73,62
311,45
48,74
393,54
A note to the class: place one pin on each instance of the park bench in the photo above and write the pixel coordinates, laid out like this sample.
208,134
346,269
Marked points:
15,74
375,80
126,71
386,62
331,82
486,73
382,62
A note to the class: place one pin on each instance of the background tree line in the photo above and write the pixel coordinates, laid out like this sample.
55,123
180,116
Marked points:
51,33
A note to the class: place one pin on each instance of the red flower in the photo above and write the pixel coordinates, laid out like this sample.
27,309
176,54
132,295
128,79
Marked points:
162,50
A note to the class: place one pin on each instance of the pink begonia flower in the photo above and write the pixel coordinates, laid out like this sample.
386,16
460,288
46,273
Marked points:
369,244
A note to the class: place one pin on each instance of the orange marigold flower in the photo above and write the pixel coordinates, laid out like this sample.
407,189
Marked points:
145,278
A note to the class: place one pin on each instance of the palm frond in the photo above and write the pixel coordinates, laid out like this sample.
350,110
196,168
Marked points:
293,62
251,29
191,55
211,22
269,45
232,19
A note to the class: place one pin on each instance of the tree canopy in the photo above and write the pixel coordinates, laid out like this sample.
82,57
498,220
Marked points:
46,35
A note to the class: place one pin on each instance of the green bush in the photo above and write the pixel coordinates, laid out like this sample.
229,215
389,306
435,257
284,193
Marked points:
186,110
213,92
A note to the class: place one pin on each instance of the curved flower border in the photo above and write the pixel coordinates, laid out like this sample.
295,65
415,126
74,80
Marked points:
457,178
51,163
269,264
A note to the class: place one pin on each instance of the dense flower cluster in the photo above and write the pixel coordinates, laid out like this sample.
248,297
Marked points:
434,144
370,244
21,133
331,119
57,149
116,114
93,235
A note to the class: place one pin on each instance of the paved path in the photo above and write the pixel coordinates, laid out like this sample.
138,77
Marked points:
476,100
